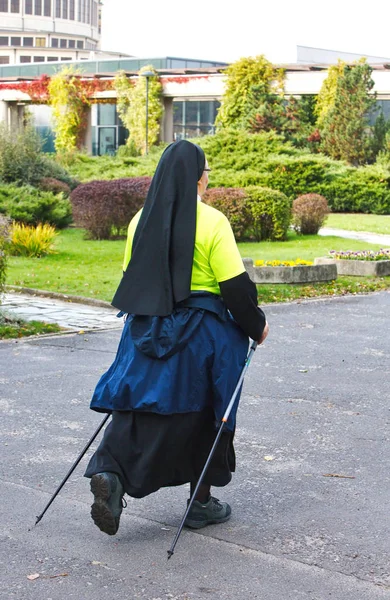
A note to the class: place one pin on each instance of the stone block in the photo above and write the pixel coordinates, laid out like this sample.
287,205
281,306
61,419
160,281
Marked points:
358,268
298,274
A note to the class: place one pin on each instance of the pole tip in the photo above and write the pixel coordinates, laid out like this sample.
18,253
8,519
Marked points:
170,553
38,519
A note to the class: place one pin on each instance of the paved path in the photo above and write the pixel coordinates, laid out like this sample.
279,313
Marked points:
310,496
71,315
363,236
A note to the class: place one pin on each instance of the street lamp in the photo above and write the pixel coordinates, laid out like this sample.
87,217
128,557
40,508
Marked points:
147,74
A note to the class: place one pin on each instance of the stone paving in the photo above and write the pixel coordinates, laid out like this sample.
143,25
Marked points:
70,315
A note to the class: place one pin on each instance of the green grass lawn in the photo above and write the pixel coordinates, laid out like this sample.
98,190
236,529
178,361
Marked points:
359,222
13,327
93,269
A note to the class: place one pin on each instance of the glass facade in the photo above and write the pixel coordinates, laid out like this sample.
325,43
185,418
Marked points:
194,118
107,130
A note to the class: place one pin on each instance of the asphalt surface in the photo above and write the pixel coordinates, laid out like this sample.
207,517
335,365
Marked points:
310,497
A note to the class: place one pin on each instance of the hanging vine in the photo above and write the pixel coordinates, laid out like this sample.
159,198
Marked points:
132,108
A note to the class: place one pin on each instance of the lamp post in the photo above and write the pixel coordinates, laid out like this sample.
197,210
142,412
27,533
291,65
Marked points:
147,74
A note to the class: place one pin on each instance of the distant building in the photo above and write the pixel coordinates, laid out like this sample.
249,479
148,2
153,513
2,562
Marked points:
319,56
38,31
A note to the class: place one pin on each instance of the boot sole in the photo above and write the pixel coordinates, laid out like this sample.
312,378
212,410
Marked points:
200,524
100,510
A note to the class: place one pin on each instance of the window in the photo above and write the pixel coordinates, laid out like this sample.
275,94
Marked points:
38,7
25,59
52,58
3,5
58,8
29,7
71,9
15,6
3,41
80,45
64,9
28,42
4,60
71,44
47,8
63,43
40,42
16,41
54,42
66,58
94,14
39,59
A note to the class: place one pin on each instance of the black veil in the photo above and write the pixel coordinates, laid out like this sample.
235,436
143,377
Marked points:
159,272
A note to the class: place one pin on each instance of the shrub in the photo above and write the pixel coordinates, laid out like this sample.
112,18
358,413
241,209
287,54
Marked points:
22,160
271,213
49,184
30,241
4,246
232,203
28,205
309,213
105,208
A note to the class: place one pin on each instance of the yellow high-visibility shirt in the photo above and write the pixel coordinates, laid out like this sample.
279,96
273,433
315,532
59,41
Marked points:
216,256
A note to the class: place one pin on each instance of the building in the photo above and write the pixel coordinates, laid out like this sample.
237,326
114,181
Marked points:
320,56
38,31
192,91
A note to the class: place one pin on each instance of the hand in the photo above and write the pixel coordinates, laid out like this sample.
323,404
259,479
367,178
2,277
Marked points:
264,334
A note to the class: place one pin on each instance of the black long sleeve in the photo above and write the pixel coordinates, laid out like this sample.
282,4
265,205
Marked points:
240,296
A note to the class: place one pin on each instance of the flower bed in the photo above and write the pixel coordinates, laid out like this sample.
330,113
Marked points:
368,263
289,272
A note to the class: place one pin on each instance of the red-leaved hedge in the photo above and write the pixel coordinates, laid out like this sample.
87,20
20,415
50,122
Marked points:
105,208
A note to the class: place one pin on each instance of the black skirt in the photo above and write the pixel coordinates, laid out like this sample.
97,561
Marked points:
149,451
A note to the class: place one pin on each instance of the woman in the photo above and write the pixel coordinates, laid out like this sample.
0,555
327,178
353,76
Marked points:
181,351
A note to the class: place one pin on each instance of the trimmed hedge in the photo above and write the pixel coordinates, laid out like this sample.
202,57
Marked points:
255,213
309,213
26,204
232,203
271,213
105,208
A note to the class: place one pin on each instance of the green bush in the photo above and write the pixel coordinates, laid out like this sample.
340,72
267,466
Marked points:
31,206
232,203
271,213
22,160
4,248
309,213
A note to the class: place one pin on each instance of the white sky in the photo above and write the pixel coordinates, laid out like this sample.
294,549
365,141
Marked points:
227,30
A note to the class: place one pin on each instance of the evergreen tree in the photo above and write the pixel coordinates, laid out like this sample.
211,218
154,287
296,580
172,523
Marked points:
345,132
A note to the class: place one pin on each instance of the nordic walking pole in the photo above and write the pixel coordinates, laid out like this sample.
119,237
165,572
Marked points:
73,467
224,420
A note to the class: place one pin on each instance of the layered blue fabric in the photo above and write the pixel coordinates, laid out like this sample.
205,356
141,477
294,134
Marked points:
182,363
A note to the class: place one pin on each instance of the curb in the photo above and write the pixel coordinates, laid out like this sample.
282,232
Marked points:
57,296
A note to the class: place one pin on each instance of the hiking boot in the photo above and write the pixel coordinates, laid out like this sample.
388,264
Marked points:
213,511
107,506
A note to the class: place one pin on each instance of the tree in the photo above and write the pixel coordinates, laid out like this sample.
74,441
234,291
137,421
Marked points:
132,108
327,95
244,79
345,132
